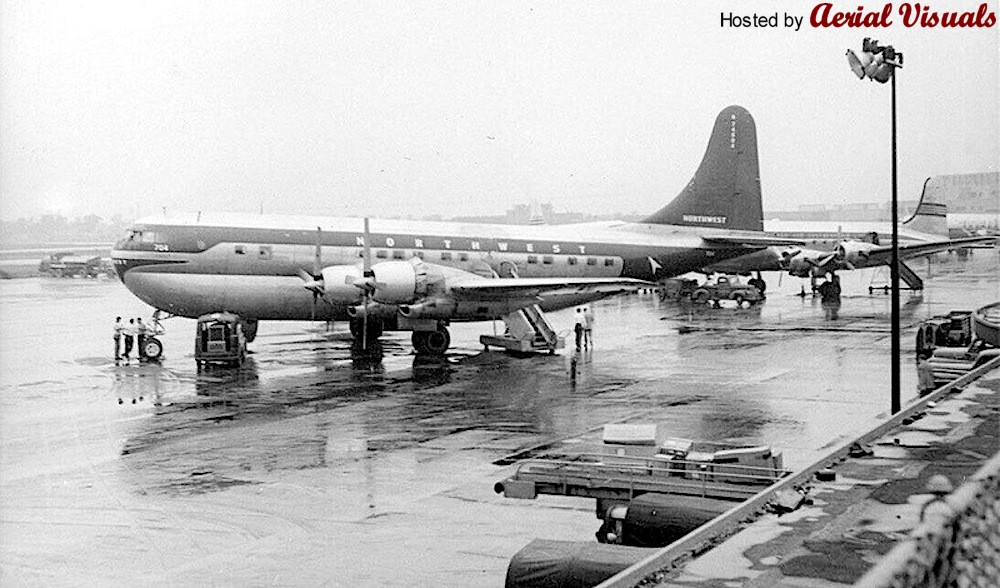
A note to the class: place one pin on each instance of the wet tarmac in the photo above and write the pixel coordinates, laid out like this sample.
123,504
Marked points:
312,465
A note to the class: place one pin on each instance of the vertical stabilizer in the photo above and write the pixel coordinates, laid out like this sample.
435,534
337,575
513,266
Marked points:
929,217
725,191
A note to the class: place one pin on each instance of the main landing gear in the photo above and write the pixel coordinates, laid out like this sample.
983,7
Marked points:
434,342
431,342
374,329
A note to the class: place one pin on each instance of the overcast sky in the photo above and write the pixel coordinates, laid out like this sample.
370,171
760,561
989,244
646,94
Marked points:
419,108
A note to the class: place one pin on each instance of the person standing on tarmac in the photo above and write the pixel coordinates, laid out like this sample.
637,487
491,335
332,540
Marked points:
140,338
588,327
129,338
578,328
119,327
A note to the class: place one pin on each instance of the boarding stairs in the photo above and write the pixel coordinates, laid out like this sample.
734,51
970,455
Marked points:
527,329
906,273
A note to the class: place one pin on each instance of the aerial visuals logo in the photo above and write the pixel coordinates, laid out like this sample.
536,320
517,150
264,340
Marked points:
831,15
912,14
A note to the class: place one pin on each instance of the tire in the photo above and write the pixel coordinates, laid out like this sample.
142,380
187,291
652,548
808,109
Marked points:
738,298
438,341
152,349
419,340
700,296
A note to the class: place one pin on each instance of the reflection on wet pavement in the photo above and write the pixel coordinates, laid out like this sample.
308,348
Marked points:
244,475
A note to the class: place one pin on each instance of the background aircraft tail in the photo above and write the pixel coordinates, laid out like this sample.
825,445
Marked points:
929,217
725,191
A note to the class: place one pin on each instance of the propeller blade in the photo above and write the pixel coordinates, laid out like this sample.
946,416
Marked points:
311,282
318,253
366,250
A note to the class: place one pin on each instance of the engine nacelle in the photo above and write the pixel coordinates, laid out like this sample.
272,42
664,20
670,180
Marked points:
338,283
431,308
854,253
374,309
397,282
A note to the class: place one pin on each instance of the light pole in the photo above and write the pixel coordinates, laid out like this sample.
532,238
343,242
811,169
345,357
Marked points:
879,63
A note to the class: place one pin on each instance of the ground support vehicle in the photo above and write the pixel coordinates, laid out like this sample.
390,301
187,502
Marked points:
677,288
726,288
650,490
64,265
955,344
950,330
219,338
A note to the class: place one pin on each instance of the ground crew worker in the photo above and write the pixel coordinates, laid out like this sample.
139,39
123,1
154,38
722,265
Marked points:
129,337
588,327
118,337
140,335
578,328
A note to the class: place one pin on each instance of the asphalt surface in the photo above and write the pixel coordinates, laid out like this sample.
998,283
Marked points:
314,466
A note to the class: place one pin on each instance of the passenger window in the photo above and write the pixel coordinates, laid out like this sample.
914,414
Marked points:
608,261
532,259
398,254
264,252
547,260
445,256
463,257
382,254
241,250
591,261
571,261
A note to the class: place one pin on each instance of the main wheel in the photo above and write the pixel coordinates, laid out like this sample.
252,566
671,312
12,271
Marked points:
438,341
374,328
152,349
419,340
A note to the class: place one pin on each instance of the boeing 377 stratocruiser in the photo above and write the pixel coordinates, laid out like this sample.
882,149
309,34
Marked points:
427,274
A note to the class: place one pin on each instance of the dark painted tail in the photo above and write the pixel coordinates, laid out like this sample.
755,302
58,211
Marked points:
725,191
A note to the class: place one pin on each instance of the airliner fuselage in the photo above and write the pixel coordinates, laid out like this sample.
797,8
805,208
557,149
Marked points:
194,264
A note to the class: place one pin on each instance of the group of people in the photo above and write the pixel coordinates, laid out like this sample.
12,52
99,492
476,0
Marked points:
135,331
584,328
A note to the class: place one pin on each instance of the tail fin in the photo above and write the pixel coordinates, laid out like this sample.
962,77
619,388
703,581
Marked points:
725,191
929,217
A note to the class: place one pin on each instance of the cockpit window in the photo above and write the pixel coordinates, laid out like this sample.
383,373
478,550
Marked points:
150,237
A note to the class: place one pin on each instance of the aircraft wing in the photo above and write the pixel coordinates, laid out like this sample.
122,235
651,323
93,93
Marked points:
493,288
750,241
884,253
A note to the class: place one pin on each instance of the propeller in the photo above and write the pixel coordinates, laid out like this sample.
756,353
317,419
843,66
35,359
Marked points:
367,283
314,281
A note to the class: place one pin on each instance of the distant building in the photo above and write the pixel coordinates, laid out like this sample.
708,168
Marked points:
967,193
964,194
